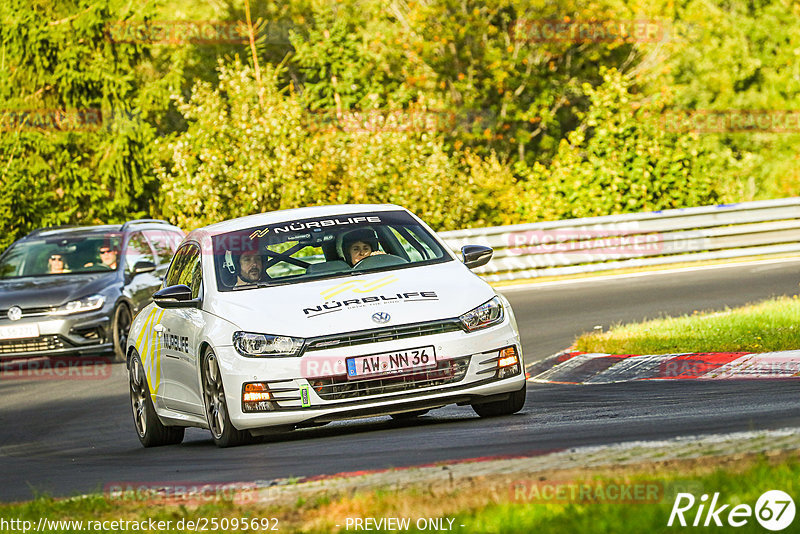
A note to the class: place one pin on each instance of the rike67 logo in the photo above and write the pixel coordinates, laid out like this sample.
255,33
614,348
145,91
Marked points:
774,511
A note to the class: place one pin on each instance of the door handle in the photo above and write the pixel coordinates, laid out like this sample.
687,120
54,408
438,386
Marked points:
159,328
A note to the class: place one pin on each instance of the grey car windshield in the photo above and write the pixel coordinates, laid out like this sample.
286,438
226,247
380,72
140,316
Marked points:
322,247
57,256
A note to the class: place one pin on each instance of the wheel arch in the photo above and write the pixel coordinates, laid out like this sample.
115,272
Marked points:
201,352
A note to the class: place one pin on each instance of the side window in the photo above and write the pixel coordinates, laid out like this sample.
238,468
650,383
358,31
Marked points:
186,269
137,250
164,243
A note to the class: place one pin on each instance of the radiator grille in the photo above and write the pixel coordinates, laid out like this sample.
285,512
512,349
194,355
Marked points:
34,344
383,334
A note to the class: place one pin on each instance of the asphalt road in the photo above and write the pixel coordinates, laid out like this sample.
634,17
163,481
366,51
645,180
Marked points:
73,436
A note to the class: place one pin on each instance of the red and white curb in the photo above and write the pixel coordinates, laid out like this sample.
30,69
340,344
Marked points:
595,368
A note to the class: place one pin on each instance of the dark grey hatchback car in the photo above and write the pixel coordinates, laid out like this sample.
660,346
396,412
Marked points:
71,291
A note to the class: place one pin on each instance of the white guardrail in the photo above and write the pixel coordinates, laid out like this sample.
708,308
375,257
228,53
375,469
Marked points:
596,244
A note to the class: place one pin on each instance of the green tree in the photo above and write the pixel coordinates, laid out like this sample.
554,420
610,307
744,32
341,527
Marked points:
623,160
74,147
252,147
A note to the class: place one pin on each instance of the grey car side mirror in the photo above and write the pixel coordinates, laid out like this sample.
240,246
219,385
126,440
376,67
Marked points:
143,267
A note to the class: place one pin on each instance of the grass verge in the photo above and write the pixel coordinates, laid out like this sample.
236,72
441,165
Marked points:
589,500
766,326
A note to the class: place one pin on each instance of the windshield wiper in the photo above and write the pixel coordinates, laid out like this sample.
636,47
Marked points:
260,285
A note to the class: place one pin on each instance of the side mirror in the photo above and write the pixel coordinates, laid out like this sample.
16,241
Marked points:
179,296
476,255
143,267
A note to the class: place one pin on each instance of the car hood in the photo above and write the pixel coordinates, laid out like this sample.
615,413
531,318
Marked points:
348,304
42,291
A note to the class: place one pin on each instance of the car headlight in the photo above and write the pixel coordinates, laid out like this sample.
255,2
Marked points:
94,302
255,345
487,314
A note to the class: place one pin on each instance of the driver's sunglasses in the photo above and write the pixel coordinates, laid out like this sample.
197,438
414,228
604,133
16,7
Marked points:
55,257
107,251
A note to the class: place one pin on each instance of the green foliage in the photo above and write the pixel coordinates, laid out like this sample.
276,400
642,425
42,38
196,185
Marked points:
93,167
343,60
522,130
736,55
622,159
252,148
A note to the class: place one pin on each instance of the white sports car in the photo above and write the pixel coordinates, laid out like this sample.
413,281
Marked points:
297,318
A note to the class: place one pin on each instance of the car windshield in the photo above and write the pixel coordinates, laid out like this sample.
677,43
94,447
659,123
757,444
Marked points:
62,254
323,247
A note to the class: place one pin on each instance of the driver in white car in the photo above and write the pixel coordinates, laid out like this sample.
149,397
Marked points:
250,268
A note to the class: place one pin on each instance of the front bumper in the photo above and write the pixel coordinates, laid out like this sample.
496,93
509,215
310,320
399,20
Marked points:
67,335
305,393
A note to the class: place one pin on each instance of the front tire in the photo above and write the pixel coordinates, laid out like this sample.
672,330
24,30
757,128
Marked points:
152,433
511,405
219,423
120,327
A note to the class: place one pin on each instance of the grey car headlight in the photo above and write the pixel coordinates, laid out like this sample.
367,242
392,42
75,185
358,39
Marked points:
94,302
258,345
487,314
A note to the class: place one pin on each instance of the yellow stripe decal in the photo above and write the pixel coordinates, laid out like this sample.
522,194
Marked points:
147,362
141,334
157,350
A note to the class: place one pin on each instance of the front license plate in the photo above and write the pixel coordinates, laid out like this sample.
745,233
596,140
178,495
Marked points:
390,363
19,331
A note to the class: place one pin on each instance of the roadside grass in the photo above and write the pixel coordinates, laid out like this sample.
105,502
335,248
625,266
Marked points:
611,517
496,504
762,327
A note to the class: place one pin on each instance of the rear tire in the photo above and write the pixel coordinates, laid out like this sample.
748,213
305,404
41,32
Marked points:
511,405
120,327
219,423
152,433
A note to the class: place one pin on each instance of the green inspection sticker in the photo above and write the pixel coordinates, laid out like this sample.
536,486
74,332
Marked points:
305,396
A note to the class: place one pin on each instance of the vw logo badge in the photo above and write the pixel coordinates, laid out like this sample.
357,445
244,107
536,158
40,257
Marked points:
381,317
15,313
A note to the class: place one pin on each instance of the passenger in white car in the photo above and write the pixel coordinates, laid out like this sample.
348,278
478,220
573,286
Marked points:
360,244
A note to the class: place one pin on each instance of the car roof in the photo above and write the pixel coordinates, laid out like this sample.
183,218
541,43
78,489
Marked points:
97,229
289,215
